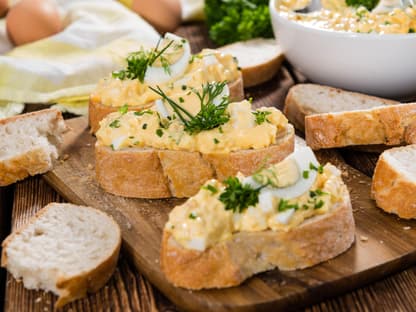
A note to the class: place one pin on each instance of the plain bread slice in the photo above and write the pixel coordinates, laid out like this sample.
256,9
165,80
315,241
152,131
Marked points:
394,181
29,144
306,99
66,249
259,59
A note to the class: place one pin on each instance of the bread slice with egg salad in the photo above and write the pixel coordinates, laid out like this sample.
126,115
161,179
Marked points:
290,215
175,146
171,66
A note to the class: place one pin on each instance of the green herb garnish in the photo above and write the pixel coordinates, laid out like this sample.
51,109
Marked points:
237,20
261,116
368,4
141,113
210,188
123,109
192,216
284,205
210,116
305,174
319,169
144,127
319,204
216,141
237,197
115,124
138,62
159,132
411,31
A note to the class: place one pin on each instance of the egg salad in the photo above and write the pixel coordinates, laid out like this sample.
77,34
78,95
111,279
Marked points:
170,65
198,120
276,198
388,17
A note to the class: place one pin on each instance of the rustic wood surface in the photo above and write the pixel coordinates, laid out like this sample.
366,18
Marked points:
128,290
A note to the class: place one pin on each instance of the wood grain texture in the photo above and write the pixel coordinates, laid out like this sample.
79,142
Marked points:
377,251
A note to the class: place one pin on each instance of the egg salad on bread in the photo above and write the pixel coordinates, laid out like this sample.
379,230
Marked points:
180,142
170,65
291,215
277,198
201,120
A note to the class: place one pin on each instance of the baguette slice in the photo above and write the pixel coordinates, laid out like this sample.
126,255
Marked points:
307,99
29,144
152,173
259,59
97,111
66,249
231,262
388,125
394,181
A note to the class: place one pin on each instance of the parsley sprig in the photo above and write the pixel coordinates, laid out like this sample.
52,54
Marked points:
139,61
210,116
237,196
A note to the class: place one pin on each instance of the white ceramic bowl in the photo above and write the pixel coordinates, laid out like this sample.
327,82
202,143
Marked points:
378,64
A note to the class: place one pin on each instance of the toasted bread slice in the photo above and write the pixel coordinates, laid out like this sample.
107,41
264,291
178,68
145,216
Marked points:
29,144
66,249
308,99
152,173
389,125
97,111
259,59
394,181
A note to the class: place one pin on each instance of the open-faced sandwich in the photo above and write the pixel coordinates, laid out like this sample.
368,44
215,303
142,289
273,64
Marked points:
178,144
171,66
291,215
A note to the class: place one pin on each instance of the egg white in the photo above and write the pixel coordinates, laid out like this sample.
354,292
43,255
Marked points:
158,75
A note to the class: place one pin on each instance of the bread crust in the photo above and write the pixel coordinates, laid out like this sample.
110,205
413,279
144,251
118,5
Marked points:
391,126
393,191
97,111
35,161
73,287
231,262
150,173
298,104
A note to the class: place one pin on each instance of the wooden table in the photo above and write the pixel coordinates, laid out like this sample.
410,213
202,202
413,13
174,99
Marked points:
128,290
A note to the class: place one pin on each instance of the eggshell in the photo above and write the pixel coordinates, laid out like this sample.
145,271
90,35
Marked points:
32,20
4,6
164,15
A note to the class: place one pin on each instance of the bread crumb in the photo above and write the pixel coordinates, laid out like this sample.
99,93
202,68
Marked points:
38,299
157,261
88,144
65,157
45,309
381,242
406,228
48,301
363,238
90,167
128,225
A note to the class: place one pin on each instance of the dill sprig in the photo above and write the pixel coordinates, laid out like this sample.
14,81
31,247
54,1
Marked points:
210,115
139,61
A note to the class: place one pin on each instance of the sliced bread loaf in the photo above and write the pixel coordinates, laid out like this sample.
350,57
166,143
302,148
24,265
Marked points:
394,181
307,99
259,59
29,144
388,125
66,249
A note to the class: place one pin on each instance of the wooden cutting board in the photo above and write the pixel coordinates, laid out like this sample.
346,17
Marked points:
383,244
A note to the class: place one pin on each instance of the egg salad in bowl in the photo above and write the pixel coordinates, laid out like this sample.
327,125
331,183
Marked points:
169,65
352,47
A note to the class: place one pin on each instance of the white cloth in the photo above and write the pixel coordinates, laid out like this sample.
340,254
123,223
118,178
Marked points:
65,68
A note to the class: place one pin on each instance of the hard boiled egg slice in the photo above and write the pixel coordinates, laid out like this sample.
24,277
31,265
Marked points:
303,158
172,63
